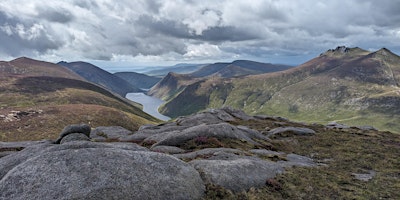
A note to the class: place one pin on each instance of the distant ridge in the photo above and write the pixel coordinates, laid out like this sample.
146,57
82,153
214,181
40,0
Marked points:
99,76
238,68
139,80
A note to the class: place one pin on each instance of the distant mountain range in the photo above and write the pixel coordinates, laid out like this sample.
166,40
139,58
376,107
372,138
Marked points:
238,68
348,85
37,99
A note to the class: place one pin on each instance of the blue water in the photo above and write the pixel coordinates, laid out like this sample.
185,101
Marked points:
150,104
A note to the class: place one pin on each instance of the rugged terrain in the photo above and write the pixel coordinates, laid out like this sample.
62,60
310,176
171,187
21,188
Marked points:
37,97
347,85
216,154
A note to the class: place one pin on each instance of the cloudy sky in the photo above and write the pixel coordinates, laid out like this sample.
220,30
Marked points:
164,32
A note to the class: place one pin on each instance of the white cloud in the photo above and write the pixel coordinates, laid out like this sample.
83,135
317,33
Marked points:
186,29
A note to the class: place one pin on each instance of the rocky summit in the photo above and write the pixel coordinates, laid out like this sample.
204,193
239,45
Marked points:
215,154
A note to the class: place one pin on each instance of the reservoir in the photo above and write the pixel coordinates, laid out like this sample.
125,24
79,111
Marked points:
150,104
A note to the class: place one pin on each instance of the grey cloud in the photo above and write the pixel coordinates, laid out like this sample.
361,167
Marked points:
19,36
55,14
181,31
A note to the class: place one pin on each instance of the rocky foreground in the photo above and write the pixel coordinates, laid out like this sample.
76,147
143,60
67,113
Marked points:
184,159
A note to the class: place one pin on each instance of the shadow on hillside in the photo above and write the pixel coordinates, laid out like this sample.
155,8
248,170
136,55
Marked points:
44,84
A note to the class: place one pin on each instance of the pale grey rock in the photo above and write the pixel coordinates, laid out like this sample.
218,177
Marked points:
208,152
197,119
167,149
81,170
297,160
237,113
222,115
74,137
282,131
239,174
221,130
265,152
75,128
110,132
365,176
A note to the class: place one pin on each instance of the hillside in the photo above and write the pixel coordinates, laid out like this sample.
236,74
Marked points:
99,76
181,68
139,80
348,85
238,68
36,97
171,85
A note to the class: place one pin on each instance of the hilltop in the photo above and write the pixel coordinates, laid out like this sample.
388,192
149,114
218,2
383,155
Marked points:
37,97
348,85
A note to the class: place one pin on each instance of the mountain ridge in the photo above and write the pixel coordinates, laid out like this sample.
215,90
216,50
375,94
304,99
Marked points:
353,87
99,76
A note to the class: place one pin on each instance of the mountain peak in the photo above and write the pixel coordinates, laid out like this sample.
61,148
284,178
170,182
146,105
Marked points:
345,51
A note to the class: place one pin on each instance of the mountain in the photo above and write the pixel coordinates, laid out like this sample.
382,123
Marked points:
181,68
347,85
139,80
238,68
37,97
99,76
170,85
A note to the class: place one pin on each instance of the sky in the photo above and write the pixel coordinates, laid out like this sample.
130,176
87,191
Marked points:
127,33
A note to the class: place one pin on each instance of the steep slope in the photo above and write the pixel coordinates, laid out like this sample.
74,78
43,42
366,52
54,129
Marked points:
39,97
139,80
171,85
238,68
99,76
348,85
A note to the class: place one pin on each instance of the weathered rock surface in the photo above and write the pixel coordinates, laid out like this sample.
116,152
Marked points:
76,170
167,149
237,175
221,130
75,128
74,137
109,132
287,131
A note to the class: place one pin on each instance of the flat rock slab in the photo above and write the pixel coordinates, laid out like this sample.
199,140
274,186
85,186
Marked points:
71,172
110,132
288,131
239,174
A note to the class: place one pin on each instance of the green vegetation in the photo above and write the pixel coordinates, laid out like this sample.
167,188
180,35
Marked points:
341,154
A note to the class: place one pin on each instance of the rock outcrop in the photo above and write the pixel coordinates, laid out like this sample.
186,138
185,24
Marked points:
174,160
86,170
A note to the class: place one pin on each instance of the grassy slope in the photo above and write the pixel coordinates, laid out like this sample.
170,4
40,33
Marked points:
63,96
341,152
321,90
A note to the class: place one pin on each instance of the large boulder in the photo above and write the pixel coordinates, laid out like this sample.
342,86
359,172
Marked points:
85,170
221,130
109,132
238,174
75,128
288,131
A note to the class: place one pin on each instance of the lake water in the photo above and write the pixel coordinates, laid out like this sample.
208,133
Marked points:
150,104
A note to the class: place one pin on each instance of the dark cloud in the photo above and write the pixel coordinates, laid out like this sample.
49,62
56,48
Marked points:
156,29
59,15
